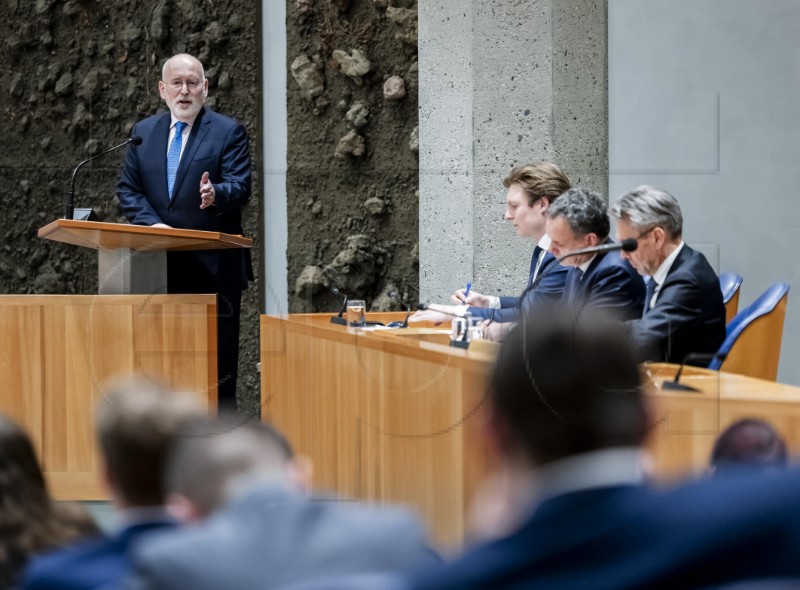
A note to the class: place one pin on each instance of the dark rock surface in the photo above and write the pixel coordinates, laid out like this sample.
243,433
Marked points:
353,207
77,75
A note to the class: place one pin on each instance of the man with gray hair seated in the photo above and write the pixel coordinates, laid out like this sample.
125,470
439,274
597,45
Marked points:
683,311
256,528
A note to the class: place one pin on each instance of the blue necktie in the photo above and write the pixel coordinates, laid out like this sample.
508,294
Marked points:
650,290
174,156
573,285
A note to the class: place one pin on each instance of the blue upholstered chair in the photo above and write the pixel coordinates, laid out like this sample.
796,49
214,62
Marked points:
753,343
729,283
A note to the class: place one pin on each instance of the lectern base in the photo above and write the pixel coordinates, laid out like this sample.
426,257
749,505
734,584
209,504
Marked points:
123,271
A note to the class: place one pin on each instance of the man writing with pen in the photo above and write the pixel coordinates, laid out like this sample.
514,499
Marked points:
532,188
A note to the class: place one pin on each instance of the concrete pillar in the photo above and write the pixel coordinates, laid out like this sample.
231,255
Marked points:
502,83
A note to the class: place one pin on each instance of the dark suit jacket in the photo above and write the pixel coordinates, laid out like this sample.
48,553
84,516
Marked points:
270,537
216,144
547,288
609,283
689,315
627,537
95,563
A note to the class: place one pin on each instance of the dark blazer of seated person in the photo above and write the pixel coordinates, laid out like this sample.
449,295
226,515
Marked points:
546,287
610,283
688,316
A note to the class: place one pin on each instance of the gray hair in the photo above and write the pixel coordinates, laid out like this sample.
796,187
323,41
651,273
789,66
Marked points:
182,56
646,207
584,210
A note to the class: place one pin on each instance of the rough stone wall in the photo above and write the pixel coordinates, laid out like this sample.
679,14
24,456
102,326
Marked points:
352,181
76,76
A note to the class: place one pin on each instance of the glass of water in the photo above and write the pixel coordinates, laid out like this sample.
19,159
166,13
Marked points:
356,313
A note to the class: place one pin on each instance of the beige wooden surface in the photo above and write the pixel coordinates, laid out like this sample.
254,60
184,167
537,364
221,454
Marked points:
732,307
687,424
388,416
383,418
55,350
95,234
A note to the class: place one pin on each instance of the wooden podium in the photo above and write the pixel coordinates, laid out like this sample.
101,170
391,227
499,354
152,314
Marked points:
132,258
392,416
57,350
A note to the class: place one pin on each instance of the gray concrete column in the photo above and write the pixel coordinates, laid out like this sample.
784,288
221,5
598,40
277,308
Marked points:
502,83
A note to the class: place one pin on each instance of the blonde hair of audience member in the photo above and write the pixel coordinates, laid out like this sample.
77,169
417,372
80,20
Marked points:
136,424
213,458
31,521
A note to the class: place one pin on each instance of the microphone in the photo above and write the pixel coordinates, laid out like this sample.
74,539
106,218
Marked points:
628,245
404,324
340,319
707,357
69,207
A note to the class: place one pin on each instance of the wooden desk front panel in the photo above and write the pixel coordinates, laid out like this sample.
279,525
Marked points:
56,351
379,420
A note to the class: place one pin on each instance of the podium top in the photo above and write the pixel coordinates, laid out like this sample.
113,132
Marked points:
113,236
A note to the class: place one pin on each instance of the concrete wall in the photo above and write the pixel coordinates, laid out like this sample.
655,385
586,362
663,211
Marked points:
703,102
501,83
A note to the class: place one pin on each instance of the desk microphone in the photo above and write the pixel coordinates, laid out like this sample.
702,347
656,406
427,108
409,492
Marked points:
69,207
628,245
340,319
707,357
404,324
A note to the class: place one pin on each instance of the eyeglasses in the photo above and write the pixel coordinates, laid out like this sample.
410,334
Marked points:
646,232
191,84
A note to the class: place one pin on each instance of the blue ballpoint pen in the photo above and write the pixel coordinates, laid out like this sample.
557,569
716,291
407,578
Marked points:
466,292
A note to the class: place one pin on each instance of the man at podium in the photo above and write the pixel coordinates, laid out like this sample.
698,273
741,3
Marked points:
192,171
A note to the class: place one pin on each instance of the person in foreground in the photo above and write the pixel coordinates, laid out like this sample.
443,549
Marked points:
259,528
566,418
683,311
192,171
135,424
750,446
31,521
578,219
531,190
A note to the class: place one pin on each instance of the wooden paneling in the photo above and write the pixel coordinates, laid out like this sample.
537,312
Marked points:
56,350
391,417
383,418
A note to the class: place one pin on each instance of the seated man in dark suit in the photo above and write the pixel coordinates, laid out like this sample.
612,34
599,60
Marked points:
566,419
135,424
577,220
531,190
259,529
684,312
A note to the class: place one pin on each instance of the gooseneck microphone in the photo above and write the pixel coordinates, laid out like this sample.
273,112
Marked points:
423,306
394,295
340,319
69,207
705,357
628,245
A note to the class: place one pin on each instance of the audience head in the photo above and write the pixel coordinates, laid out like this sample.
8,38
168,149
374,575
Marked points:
653,218
578,219
31,521
212,456
183,86
564,385
748,445
136,423
531,190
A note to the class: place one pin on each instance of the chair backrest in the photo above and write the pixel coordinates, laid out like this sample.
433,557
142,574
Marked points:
729,283
753,343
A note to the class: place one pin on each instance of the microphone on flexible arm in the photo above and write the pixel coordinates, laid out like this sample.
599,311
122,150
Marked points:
706,357
628,245
340,319
423,306
399,324
69,207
